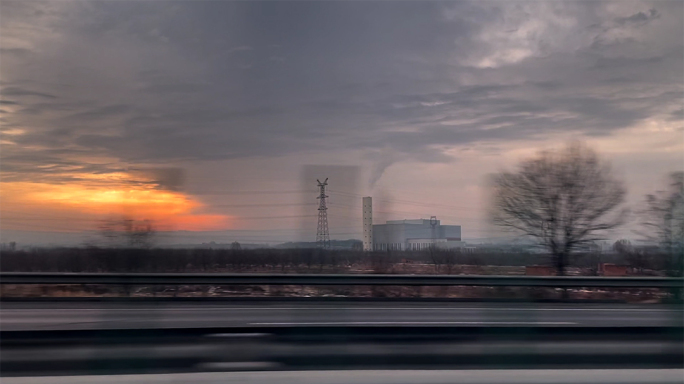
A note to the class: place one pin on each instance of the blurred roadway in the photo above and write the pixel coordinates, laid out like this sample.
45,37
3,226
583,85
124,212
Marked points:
86,315
518,376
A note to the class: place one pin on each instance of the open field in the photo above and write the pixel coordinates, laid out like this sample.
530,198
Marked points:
302,261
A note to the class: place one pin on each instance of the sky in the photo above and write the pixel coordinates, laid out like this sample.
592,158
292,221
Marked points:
212,119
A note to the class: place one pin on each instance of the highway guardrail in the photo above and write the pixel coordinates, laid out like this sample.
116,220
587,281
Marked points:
337,279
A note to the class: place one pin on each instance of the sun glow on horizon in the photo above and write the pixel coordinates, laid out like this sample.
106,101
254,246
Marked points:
168,210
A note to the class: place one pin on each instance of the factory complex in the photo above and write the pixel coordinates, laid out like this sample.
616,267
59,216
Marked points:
407,235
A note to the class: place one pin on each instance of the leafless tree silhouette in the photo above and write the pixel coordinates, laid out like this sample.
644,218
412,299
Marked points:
563,199
126,232
663,220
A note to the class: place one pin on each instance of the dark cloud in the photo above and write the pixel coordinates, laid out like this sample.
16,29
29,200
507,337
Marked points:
16,91
166,178
15,51
638,18
160,82
677,115
101,112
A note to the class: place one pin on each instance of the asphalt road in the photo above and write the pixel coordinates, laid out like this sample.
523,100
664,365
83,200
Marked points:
61,316
518,376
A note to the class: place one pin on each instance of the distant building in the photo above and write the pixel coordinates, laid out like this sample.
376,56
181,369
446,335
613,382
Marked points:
414,235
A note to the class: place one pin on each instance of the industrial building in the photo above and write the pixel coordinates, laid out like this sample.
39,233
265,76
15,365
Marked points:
414,235
407,235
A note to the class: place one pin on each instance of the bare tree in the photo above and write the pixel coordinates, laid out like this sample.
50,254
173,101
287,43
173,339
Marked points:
623,246
435,256
563,199
444,259
663,220
127,232
637,259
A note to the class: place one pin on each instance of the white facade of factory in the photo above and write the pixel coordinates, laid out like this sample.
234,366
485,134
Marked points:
407,235
415,235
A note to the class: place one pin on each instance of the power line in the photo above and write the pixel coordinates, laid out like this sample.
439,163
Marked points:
402,201
46,219
244,192
274,217
262,205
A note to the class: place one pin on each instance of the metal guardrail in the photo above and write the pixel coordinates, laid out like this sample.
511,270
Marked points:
329,279
98,351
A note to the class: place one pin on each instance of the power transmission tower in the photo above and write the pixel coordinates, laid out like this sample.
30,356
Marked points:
322,234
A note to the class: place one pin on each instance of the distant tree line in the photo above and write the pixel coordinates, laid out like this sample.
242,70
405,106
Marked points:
263,260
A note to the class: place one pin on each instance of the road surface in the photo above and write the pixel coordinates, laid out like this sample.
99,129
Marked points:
62,316
518,376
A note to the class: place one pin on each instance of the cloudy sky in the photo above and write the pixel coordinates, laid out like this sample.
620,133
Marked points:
209,115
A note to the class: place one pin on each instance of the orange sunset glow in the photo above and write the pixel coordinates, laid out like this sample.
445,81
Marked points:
80,205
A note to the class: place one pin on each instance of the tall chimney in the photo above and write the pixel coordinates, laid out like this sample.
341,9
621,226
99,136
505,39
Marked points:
367,224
